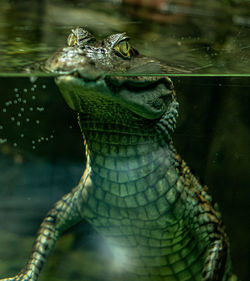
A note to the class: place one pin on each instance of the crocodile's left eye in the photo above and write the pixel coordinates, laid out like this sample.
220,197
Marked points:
123,48
72,40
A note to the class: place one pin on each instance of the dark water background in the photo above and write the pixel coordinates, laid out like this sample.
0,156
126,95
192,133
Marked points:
41,148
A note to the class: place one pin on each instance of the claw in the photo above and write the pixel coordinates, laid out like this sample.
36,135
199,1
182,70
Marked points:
19,277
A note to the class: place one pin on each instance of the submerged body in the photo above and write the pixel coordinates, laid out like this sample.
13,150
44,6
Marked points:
136,190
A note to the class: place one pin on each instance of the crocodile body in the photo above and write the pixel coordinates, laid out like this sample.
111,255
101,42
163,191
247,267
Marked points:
136,190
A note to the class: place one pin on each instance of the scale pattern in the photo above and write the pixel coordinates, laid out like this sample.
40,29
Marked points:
160,222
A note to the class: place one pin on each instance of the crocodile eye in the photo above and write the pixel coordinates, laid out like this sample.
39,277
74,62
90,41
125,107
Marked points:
72,40
123,48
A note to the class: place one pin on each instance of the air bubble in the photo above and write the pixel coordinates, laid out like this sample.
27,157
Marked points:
8,103
33,147
33,97
33,79
25,90
3,141
32,89
51,136
33,142
31,108
44,86
37,121
70,127
4,109
12,118
15,144
35,85
1,127
18,123
22,135
46,139
17,95
40,109
24,101
22,109
15,90
19,114
27,120
19,99
15,101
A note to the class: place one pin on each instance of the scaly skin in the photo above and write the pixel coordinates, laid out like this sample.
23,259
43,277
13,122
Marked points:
136,190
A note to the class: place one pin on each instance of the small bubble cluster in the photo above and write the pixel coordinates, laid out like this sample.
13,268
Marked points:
24,114
41,139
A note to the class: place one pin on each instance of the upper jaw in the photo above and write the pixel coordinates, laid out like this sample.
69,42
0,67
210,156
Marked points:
71,59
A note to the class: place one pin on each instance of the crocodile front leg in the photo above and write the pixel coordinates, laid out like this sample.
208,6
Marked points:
208,229
64,214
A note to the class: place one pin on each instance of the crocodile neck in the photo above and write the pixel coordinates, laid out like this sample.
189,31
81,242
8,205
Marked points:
129,158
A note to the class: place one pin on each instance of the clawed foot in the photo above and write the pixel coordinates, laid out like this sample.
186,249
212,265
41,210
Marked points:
20,277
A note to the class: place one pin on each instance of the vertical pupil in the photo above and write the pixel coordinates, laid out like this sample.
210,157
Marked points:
124,47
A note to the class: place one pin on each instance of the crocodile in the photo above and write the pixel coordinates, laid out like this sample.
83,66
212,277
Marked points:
136,190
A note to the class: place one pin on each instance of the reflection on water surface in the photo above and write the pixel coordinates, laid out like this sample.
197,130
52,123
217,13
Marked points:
212,40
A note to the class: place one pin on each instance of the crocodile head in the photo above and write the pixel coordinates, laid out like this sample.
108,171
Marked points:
95,79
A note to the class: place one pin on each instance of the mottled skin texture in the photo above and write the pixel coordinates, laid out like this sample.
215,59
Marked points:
136,190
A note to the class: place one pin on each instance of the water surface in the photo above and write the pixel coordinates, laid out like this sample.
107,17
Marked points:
210,39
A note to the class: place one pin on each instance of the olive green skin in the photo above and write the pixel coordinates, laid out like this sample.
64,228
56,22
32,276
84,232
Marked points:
90,56
92,86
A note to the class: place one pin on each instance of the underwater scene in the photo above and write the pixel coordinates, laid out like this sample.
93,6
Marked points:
200,49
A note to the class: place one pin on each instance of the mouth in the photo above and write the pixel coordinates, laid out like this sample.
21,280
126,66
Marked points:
147,96
121,80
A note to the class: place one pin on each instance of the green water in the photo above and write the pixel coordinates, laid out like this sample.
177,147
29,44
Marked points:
210,39
41,149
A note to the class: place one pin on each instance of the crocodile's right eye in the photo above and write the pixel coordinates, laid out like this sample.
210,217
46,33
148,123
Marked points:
123,48
72,39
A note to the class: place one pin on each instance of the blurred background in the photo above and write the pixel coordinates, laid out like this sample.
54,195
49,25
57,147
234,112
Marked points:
41,148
